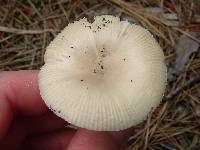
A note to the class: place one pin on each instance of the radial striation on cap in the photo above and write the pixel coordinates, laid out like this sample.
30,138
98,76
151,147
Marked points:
106,75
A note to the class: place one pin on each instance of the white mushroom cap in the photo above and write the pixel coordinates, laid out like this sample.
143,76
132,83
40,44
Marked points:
105,76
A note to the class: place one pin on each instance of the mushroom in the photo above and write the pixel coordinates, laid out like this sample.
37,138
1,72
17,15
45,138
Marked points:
105,76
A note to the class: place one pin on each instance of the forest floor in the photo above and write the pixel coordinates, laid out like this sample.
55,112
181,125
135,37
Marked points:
27,27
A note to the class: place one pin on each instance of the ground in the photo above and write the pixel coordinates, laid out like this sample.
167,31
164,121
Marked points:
27,27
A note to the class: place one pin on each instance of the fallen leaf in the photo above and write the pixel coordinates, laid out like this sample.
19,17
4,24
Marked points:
27,11
184,47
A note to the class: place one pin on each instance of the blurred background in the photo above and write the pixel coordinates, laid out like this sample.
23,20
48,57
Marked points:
27,27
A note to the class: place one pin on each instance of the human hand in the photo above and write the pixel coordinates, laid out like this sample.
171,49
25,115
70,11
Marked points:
26,123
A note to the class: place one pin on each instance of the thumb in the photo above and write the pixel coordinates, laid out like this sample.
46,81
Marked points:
89,140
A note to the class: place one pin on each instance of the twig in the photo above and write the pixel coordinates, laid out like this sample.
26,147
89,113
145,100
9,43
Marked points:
188,84
6,38
22,31
187,34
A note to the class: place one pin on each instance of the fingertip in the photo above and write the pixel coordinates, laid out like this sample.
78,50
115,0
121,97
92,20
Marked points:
86,139
122,136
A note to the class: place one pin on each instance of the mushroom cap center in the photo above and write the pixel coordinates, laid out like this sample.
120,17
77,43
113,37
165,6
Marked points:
99,67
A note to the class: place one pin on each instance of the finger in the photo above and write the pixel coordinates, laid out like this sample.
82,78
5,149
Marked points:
20,89
15,137
85,139
122,136
31,126
5,117
42,124
58,140
18,92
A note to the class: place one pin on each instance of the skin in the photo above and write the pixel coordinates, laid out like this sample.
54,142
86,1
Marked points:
26,123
